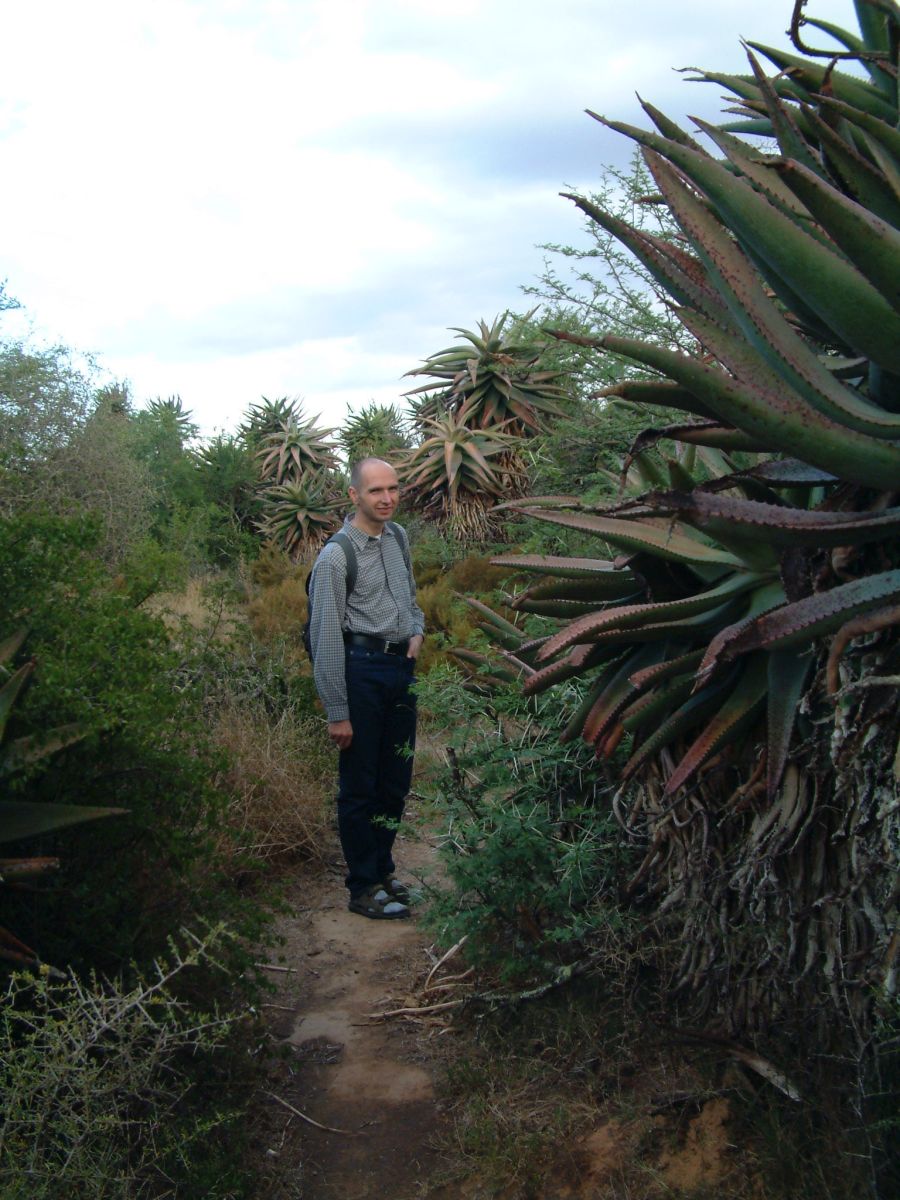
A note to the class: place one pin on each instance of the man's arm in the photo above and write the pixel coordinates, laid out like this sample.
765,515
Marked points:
328,594
418,634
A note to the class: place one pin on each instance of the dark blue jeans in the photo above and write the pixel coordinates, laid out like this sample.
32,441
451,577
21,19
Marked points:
375,772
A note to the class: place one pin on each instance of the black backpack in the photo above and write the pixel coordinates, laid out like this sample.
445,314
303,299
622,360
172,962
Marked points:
346,545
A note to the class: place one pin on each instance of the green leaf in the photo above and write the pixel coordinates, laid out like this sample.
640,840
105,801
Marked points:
23,818
788,673
665,542
10,691
732,716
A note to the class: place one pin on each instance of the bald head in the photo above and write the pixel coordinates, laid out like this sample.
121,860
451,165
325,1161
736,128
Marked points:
360,469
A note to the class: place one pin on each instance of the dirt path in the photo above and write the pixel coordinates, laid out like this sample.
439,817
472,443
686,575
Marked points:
342,1067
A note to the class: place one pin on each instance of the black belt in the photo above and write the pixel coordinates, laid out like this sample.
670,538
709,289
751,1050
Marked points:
374,643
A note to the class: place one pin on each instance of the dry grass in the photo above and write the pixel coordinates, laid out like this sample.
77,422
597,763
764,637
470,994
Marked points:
280,778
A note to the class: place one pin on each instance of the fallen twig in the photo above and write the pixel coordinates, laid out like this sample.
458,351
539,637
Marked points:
448,981
426,1008
309,1120
272,967
445,958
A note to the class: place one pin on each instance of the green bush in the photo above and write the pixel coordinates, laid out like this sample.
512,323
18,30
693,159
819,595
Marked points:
112,668
531,853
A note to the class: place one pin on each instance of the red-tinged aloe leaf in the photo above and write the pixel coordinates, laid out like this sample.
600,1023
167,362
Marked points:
651,676
14,950
618,692
695,709
817,278
13,869
652,392
768,336
773,418
610,585
629,617
668,128
864,181
24,751
804,620
673,269
11,645
652,707
814,78
579,660
732,716
770,596
559,609
635,535
709,433
559,565
871,244
576,722
543,502
24,818
10,691
777,524
788,672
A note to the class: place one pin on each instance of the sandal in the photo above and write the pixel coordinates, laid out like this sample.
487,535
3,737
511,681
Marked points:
395,889
374,902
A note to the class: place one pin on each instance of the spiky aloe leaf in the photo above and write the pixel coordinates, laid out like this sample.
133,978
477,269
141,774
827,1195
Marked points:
778,524
666,542
597,572
857,174
780,421
22,752
658,394
24,819
11,689
706,433
804,620
695,709
511,634
788,672
652,707
608,585
633,616
814,78
576,662
618,692
735,713
788,356
869,242
831,287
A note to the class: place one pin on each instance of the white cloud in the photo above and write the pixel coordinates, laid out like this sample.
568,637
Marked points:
226,198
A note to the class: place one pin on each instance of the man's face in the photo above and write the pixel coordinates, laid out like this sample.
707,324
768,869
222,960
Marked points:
378,493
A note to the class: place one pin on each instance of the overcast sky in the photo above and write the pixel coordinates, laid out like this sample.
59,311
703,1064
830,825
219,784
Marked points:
233,198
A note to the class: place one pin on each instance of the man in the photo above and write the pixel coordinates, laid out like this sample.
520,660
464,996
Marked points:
364,647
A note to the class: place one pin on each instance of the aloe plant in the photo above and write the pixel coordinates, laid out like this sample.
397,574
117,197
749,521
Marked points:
457,473
294,448
22,819
375,431
489,380
300,515
727,570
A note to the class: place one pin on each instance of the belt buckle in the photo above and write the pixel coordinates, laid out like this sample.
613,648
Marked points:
385,647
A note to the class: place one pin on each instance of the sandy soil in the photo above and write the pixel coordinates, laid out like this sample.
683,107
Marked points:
342,1065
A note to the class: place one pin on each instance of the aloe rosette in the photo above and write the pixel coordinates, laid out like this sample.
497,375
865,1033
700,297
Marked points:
300,515
769,544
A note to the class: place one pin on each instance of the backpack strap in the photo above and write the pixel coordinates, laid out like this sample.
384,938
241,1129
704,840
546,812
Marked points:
349,554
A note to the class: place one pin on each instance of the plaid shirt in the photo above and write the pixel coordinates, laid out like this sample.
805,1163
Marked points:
383,605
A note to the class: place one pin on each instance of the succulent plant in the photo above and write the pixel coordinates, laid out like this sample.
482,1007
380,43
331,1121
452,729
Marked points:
294,448
376,430
457,473
267,417
300,515
740,574
488,382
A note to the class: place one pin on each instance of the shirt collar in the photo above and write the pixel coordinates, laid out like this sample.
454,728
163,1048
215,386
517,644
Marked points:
359,536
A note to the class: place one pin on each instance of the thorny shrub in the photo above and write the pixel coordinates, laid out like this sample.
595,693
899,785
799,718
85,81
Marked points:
97,1078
